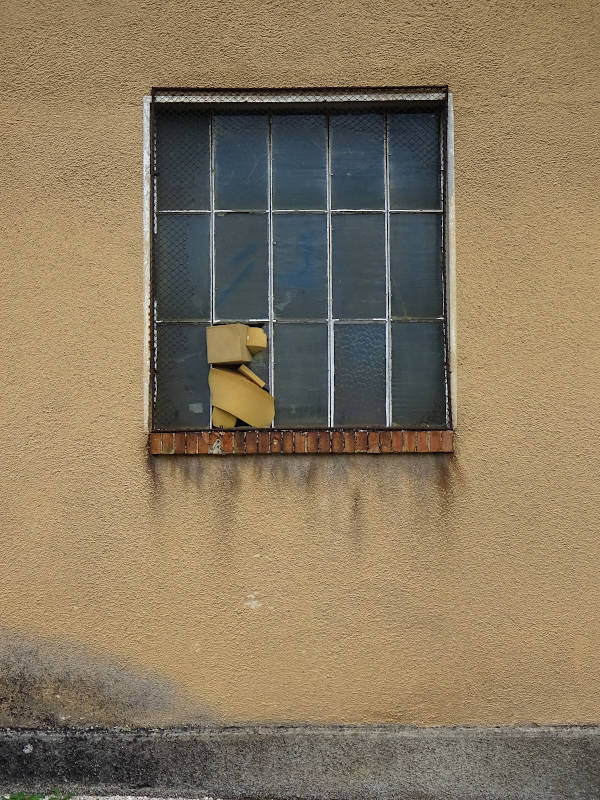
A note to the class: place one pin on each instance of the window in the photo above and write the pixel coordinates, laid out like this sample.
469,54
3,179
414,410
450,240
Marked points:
319,216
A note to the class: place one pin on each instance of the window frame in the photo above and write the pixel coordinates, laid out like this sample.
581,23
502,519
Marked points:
313,99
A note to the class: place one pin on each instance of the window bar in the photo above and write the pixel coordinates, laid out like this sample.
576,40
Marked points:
211,257
154,303
270,260
388,283
330,329
443,184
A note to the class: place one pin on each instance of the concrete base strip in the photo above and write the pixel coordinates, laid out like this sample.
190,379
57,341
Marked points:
308,763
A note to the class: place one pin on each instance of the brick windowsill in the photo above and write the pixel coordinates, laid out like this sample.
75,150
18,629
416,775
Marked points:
311,442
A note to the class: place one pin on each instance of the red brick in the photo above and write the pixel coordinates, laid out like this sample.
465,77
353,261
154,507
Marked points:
155,444
300,441
264,441
276,441
179,446
312,443
191,443
227,442
349,442
434,441
361,441
398,441
203,442
385,441
251,442
422,441
238,442
288,442
324,442
168,443
373,442
410,441
337,442
447,442
213,438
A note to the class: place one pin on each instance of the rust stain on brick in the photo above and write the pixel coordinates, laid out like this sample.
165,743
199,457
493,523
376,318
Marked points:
155,444
361,441
251,441
337,442
264,441
276,441
203,442
373,442
191,444
349,442
288,442
168,443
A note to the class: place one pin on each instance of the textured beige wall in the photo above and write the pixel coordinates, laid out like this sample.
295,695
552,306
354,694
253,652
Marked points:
418,590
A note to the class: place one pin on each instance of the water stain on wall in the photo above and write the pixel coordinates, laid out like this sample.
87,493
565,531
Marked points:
47,682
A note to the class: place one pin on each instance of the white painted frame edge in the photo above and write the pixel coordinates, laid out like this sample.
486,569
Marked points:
450,240
451,265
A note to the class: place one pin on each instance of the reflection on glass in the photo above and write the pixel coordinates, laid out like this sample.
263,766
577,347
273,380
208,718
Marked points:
301,375
359,374
414,160
358,265
241,161
241,274
182,266
418,375
357,160
182,158
299,144
182,396
416,265
300,265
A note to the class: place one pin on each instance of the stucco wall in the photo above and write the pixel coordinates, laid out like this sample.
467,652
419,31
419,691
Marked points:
421,589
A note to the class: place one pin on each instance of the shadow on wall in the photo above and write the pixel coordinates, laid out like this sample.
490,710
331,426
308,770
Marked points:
48,682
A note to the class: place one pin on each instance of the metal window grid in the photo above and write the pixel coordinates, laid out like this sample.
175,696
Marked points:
331,97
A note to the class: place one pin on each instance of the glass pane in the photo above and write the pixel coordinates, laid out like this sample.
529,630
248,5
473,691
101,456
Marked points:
416,265
300,265
418,374
241,161
241,274
359,374
182,158
260,361
299,161
182,266
414,160
182,395
357,161
358,265
301,375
